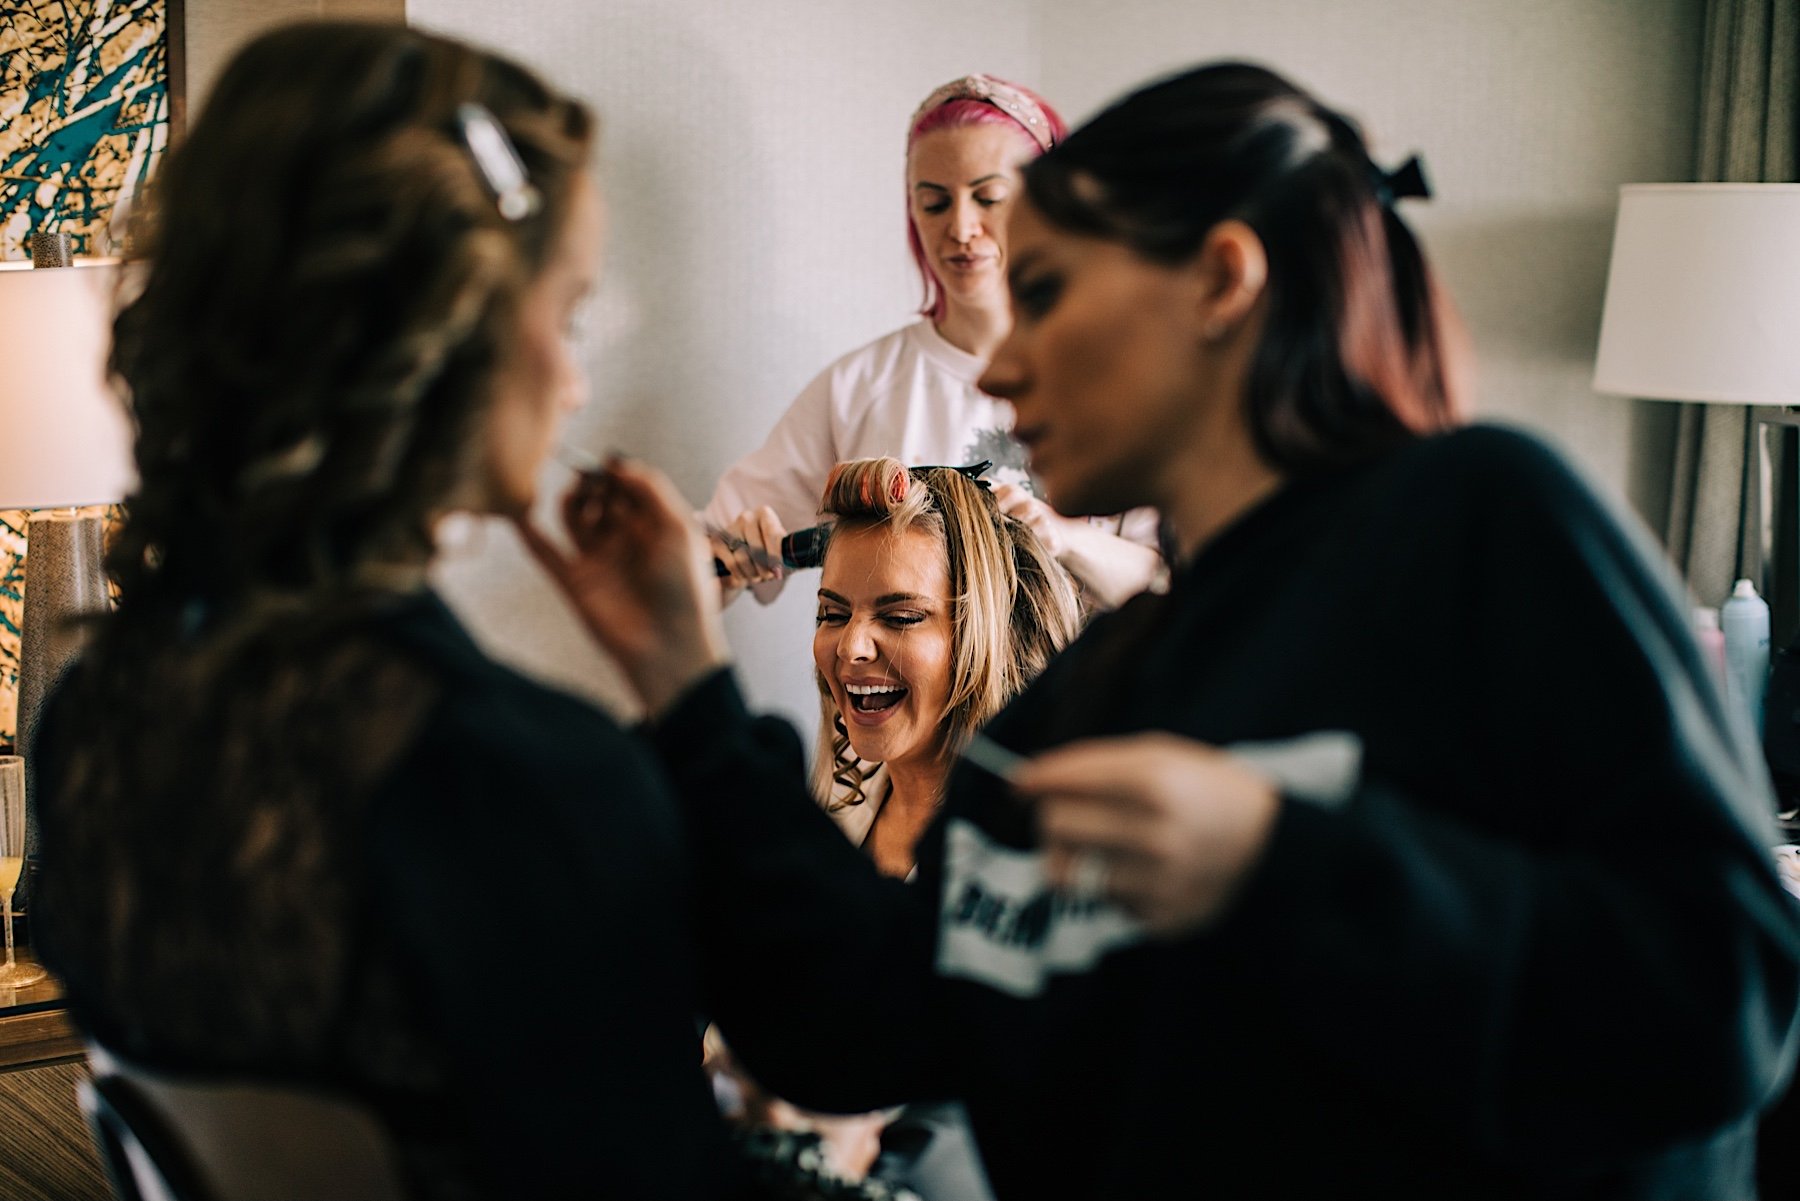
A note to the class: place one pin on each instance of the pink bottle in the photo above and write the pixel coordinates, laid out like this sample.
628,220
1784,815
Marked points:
1712,643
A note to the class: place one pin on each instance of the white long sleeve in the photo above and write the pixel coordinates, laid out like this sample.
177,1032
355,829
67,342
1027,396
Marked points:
909,394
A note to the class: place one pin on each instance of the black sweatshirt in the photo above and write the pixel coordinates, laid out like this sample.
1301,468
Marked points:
1536,947
536,1039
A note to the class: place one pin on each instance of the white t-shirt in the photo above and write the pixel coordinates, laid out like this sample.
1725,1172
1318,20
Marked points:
910,395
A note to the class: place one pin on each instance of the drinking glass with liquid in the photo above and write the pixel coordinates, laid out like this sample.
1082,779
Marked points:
13,974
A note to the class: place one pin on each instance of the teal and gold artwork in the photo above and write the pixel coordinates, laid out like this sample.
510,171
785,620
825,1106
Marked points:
84,115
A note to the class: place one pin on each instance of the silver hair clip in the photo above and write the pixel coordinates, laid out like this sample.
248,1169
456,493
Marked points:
498,162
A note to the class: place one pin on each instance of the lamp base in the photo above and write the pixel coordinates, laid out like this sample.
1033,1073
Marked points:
65,577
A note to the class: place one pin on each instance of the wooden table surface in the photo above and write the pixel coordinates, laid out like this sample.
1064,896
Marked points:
45,1150
34,1027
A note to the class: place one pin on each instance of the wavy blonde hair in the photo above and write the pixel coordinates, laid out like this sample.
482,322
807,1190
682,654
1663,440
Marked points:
1012,605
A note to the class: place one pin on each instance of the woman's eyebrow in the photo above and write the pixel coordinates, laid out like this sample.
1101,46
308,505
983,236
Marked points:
973,183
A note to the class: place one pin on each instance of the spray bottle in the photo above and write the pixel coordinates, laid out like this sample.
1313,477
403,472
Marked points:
1745,619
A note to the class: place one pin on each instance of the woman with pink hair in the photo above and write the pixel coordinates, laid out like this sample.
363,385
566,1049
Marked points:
912,394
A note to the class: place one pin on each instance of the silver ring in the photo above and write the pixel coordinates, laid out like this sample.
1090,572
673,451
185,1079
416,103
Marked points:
1088,873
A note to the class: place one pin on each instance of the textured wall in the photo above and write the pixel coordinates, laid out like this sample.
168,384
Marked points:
216,28
752,157
751,160
1530,113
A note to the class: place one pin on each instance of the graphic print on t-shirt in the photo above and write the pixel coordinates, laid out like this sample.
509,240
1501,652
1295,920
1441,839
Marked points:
1003,925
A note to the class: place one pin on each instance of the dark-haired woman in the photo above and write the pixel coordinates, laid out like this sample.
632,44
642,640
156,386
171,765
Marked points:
277,788
1403,847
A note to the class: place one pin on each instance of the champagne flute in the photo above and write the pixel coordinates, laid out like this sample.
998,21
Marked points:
12,861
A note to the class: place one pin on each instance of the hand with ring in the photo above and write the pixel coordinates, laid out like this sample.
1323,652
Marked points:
750,548
1163,825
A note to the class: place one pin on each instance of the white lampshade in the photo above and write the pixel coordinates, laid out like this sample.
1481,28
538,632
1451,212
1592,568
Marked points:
1703,299
64,439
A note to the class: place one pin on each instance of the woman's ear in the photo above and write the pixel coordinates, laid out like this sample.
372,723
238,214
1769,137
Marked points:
1231,268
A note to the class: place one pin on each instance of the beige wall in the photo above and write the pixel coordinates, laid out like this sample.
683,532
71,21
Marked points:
1530,114
753,157
751,154
216,28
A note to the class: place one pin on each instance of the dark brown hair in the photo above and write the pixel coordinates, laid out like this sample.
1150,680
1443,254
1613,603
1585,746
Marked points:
327,291
1353,356
323,302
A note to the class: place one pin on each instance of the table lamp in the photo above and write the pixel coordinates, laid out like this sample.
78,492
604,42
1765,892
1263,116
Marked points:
1703,298
1703,305
64,443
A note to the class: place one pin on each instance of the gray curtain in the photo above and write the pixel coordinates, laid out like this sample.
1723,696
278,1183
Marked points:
1749,133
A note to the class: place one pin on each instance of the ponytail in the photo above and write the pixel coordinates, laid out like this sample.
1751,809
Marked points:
1353,355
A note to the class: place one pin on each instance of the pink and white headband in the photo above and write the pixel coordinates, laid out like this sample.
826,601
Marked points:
1001,95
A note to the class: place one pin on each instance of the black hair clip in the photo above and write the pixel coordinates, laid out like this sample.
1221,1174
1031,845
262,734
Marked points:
806,548
1407,181
970,471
